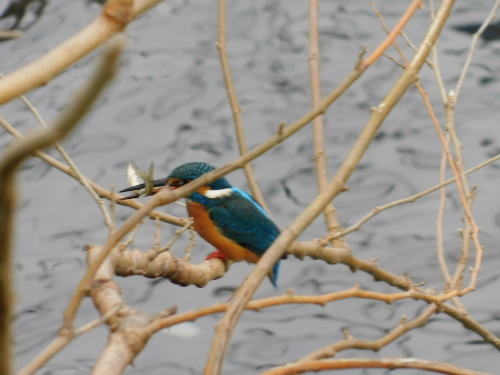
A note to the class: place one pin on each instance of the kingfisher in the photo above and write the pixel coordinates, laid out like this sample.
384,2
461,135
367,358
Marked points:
226,217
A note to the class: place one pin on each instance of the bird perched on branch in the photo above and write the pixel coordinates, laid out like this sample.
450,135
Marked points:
226,217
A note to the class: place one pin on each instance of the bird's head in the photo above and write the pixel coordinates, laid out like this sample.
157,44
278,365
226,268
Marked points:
190,171
182,175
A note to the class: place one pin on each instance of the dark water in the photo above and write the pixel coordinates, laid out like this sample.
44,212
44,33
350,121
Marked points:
168,105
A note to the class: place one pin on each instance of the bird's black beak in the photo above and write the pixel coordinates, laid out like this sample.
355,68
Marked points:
158,184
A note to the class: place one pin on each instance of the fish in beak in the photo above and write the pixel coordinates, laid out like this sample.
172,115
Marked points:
142,182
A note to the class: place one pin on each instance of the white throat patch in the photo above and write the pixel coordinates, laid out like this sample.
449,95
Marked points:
222,193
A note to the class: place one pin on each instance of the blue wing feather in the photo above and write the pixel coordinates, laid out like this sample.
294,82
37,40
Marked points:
245,222
241,222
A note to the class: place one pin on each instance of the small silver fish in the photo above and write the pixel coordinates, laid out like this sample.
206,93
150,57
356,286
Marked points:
136,176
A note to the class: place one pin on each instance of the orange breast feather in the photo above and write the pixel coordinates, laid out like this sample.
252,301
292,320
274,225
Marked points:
207,229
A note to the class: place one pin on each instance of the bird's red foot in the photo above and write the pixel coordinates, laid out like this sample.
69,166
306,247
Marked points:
216,254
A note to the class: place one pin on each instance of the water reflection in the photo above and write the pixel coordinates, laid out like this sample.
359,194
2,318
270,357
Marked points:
168,105
21,14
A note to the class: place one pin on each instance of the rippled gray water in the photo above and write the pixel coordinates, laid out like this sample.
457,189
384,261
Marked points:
168,105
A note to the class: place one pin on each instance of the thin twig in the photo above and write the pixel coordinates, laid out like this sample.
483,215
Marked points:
192,243
156,243
132,234
435,66
375,345
464,198
395,43
459,175
153,253
359,363
235,105
410,199
344,256
472,49
10,34
79,176
93,324
320,160
469,228
416,4
321,300
439,223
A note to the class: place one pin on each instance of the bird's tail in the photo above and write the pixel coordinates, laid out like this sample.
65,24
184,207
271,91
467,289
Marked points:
273,275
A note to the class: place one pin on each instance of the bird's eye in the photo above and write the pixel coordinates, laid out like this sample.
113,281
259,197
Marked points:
178,182
175,182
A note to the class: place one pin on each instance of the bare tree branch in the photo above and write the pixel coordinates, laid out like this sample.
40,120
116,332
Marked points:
275,252
23,149
113,19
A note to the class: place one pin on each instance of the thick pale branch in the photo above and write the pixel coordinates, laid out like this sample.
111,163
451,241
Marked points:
178,271
130,328
113,19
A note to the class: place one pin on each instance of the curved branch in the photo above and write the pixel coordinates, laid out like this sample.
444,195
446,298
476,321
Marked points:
112,20
387,363
178,271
